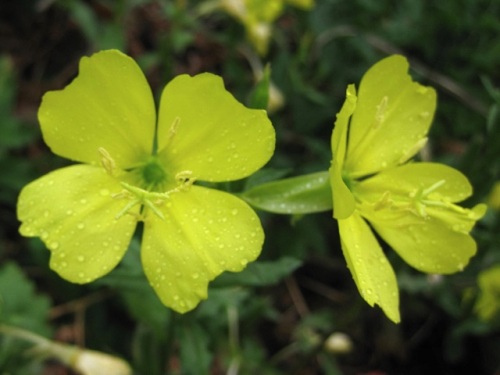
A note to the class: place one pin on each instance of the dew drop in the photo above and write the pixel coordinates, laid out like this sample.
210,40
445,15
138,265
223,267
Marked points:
104,192
54,245
80,226
80,258
234,212
195,276
83,201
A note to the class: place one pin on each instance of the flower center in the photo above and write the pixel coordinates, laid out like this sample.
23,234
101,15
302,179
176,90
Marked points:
153,174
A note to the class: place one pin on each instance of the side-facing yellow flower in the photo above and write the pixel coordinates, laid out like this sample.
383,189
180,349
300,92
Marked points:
410,205
258,16
137,168
487,305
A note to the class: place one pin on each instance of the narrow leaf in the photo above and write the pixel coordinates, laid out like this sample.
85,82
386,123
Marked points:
296,195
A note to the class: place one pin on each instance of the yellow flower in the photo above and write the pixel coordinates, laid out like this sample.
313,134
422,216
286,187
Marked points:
487,305
258,16
411,205
137,168
494,197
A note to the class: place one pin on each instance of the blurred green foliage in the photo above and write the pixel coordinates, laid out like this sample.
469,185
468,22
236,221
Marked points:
274,317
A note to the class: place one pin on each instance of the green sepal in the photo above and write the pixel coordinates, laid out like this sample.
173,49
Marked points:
296,195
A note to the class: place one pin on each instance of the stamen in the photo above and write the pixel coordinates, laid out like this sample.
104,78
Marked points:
173,128
384,202
107,161
419,202
381,112
433,187
152,199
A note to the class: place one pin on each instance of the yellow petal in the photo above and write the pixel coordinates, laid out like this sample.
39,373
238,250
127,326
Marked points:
426,244
109,105
343,201
205,232
411,207
72,211
391,120
442,183
369,267
205,130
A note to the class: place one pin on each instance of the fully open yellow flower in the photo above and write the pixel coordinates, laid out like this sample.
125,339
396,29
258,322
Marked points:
137,168
410,205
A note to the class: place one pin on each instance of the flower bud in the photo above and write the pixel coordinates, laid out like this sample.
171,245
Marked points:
90,362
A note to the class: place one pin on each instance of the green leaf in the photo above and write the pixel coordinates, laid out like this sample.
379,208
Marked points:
20,306
259,97
260,273
196,356
296,195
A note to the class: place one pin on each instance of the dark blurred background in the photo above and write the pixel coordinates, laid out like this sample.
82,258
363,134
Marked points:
305,293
